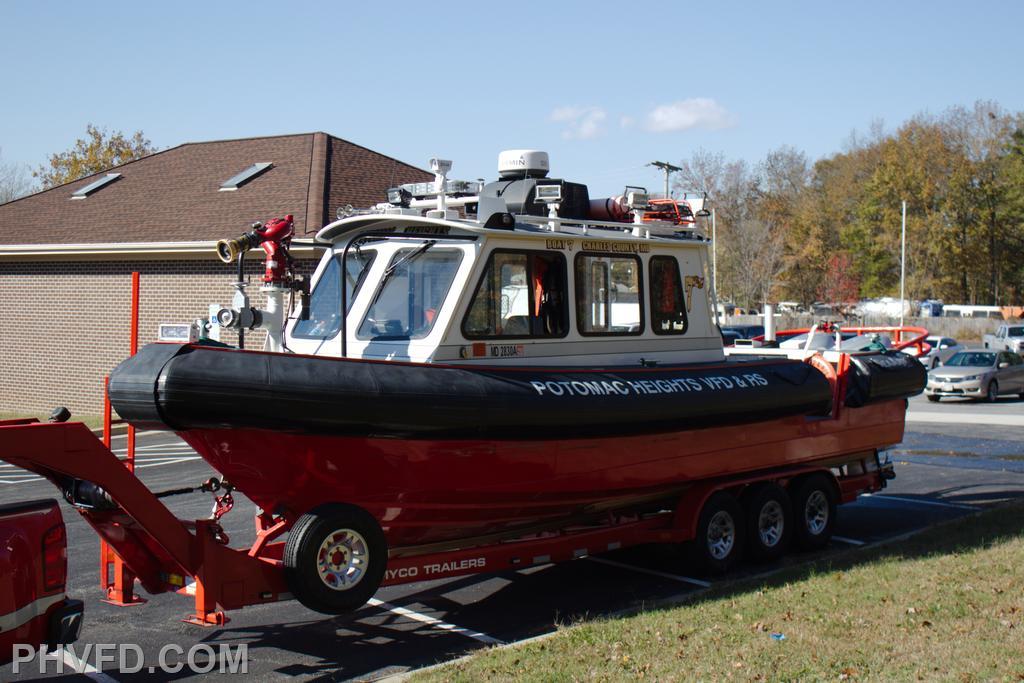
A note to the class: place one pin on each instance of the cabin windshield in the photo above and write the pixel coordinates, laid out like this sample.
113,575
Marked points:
410,293
325,302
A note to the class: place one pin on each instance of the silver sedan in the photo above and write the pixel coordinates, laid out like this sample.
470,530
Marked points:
942,349
977,374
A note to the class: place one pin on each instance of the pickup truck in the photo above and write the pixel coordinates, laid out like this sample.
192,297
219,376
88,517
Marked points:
1006,338
34,609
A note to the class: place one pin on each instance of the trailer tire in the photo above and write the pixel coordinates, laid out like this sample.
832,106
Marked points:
814,511
769,520
719,540
334,559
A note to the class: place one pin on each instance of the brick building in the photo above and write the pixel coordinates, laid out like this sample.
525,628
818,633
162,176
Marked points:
67,254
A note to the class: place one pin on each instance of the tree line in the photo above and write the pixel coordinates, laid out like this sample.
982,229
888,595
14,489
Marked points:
790,229
98,151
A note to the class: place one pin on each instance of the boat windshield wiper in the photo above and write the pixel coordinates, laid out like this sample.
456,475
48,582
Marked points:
390,270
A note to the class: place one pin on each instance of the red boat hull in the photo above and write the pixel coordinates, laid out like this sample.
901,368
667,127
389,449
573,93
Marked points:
426,491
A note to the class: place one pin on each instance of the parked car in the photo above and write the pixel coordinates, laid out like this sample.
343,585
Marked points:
977,374
1006,338
942,349
34,608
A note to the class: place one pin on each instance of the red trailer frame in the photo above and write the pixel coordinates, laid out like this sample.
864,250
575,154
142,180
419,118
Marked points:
162,551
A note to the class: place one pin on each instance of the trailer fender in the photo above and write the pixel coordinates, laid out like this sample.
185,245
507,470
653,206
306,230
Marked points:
690,504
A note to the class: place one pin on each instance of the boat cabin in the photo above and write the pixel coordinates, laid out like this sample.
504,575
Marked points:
466,278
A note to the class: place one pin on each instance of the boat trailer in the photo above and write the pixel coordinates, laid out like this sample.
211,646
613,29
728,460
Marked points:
163,551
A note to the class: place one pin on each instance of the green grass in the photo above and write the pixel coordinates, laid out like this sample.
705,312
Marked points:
947,604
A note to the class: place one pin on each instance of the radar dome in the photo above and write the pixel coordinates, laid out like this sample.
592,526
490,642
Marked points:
523,163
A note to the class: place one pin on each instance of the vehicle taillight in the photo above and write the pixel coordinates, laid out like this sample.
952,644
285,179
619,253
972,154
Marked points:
55,558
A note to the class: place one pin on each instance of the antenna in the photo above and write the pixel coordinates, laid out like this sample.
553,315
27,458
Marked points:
668,169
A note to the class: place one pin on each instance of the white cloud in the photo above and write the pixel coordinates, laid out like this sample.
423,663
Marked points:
582,123
697,112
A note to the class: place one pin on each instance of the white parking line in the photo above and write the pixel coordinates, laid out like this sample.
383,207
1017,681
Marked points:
155,447
85,668
652,572
166,461
12,478
436,623
848,541
166,449
142,457
922,501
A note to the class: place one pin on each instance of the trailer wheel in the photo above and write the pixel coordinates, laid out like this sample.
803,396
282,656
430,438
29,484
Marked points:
814,511
719,541
769,522
335,558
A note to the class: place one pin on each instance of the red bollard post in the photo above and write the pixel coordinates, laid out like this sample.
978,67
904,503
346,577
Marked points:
120,588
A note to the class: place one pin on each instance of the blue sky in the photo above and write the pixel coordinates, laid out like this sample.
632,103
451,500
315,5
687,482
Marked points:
603,87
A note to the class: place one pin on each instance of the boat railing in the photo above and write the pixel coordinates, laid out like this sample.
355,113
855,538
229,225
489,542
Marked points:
904,338
660,229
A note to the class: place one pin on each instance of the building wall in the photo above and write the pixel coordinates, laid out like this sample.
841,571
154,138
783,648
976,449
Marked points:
66,325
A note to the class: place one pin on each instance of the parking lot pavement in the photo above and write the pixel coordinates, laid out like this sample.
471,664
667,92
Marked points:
416,625
1007,412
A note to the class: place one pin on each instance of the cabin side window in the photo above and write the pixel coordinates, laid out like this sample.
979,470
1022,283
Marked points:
325,303
668,308
520,294
410,294
608,294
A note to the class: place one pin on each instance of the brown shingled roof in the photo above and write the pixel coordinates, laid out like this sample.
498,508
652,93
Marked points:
174,195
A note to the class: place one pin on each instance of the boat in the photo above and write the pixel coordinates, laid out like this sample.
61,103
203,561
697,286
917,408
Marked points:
478,361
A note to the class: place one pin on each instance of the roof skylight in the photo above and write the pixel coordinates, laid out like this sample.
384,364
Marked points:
84,192
236,181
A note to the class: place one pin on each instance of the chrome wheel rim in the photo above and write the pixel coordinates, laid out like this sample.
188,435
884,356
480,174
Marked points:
721,535
993,391
771,524
342,559
816,512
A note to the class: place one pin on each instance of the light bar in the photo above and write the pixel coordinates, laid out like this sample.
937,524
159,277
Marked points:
451,187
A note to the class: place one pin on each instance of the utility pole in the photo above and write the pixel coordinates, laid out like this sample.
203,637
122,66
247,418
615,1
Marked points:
714,255
668,169
903,263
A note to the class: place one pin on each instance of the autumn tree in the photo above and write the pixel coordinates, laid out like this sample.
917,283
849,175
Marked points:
97,152
729,185
831,230
1012,173
839,283
14,182
780,190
